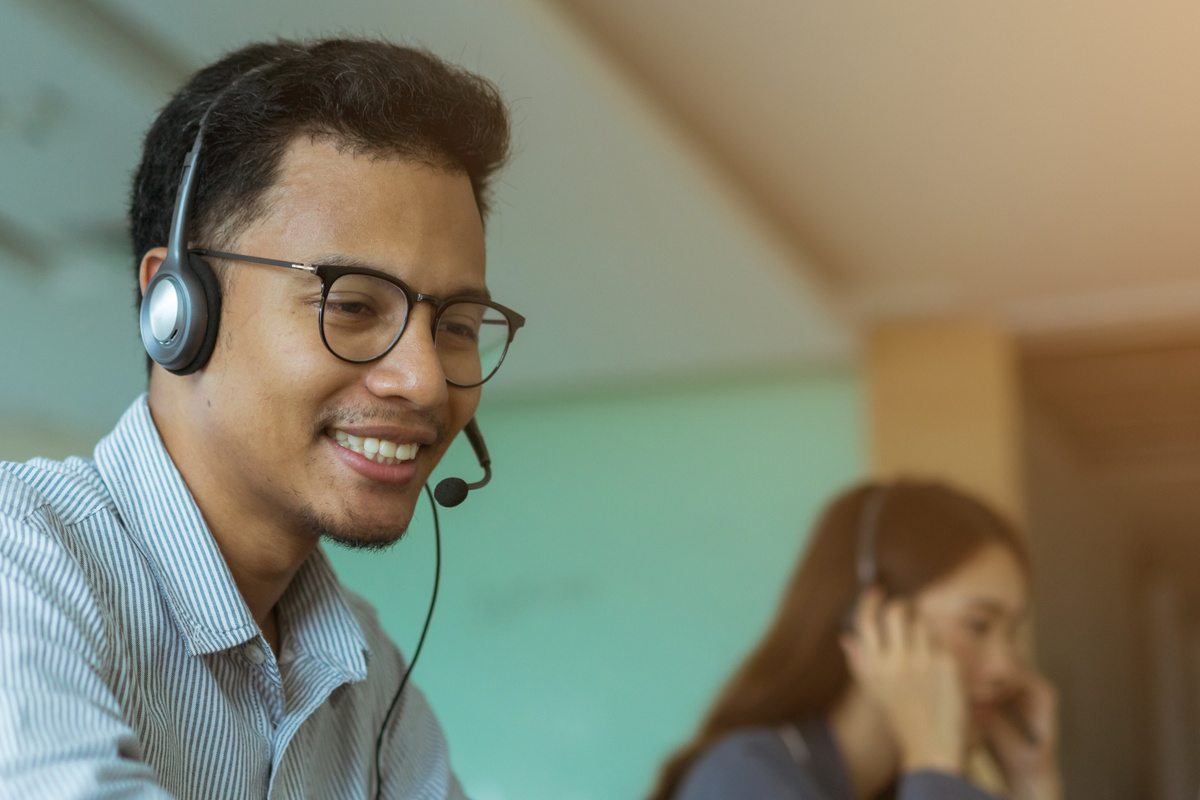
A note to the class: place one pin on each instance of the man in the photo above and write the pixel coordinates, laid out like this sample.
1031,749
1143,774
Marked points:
169,625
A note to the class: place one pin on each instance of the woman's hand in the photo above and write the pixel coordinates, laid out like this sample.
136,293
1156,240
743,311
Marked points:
914,680
1023,735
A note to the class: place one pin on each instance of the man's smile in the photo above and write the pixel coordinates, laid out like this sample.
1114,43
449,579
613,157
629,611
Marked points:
383,451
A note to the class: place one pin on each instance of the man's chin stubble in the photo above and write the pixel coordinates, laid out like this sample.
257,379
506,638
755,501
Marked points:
351,534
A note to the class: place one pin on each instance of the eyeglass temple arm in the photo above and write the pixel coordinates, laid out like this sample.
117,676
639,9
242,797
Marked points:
270,262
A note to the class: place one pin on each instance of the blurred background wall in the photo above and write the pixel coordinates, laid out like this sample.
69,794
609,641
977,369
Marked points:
629,550
766,249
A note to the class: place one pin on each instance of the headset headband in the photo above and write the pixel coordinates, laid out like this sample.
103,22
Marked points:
181,307
868,534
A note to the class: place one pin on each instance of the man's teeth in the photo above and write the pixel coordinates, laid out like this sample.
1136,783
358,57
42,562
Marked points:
380,450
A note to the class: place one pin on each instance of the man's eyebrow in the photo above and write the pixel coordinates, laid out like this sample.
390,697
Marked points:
354,262
470,291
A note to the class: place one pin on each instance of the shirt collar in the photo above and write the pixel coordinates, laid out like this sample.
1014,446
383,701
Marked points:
166,525
318,622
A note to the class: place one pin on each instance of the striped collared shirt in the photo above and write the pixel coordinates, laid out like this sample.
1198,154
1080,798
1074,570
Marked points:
131,667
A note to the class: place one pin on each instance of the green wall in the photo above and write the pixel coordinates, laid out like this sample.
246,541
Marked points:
628,551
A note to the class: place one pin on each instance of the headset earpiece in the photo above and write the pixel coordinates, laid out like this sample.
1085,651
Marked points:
177,315
180,311
212,305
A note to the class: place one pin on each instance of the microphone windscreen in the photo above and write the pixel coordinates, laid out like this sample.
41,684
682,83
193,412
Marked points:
450,492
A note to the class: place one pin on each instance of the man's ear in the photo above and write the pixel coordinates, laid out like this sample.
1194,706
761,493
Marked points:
149,266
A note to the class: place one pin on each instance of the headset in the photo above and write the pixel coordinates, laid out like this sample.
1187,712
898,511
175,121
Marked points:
181,307
178,319
866,566
452,491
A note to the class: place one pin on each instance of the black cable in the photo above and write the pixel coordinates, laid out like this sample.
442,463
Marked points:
437,576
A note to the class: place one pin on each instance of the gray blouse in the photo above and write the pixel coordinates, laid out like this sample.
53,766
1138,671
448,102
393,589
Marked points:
798,763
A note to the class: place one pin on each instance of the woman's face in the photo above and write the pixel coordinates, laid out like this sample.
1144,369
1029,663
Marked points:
978,612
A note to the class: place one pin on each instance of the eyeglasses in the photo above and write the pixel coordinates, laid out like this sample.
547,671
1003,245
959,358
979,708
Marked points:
364,313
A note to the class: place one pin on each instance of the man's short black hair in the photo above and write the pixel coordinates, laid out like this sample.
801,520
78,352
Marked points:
369,96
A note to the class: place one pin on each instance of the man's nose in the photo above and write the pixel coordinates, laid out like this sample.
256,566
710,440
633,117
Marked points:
412,369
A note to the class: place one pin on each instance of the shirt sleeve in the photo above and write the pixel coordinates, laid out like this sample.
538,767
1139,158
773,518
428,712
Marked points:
62,734
928,784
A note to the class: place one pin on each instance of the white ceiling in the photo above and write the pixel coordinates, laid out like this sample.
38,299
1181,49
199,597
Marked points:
700,187
1032,160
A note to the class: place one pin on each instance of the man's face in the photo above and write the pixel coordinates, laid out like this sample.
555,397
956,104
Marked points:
268,406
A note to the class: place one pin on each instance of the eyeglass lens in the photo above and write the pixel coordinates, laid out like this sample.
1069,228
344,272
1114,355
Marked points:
364,316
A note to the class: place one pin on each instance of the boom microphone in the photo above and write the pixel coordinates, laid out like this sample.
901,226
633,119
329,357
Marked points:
452,491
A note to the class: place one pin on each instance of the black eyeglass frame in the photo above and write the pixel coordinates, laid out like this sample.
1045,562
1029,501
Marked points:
329,273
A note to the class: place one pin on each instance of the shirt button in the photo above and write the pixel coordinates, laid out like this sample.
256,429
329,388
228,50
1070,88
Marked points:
255,654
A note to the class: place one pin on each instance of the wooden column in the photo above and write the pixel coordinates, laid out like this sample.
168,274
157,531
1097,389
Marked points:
944,402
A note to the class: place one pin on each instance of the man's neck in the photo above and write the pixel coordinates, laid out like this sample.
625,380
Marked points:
262,554
270,630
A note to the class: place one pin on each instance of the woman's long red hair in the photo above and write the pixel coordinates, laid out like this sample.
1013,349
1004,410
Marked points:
924,531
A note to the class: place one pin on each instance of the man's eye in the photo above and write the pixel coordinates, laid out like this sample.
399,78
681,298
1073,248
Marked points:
349,306
457,330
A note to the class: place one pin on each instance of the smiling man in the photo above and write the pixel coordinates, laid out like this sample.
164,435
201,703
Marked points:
308,221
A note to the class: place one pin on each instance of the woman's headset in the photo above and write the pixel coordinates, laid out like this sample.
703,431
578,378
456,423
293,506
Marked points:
866,566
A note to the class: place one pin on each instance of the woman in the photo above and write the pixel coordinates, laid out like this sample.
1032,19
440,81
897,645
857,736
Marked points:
896,654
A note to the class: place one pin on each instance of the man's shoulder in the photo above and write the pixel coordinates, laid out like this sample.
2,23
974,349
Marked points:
44,510
46,555
66,491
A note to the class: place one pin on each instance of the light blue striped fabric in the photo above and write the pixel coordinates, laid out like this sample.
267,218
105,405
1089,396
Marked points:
130,666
